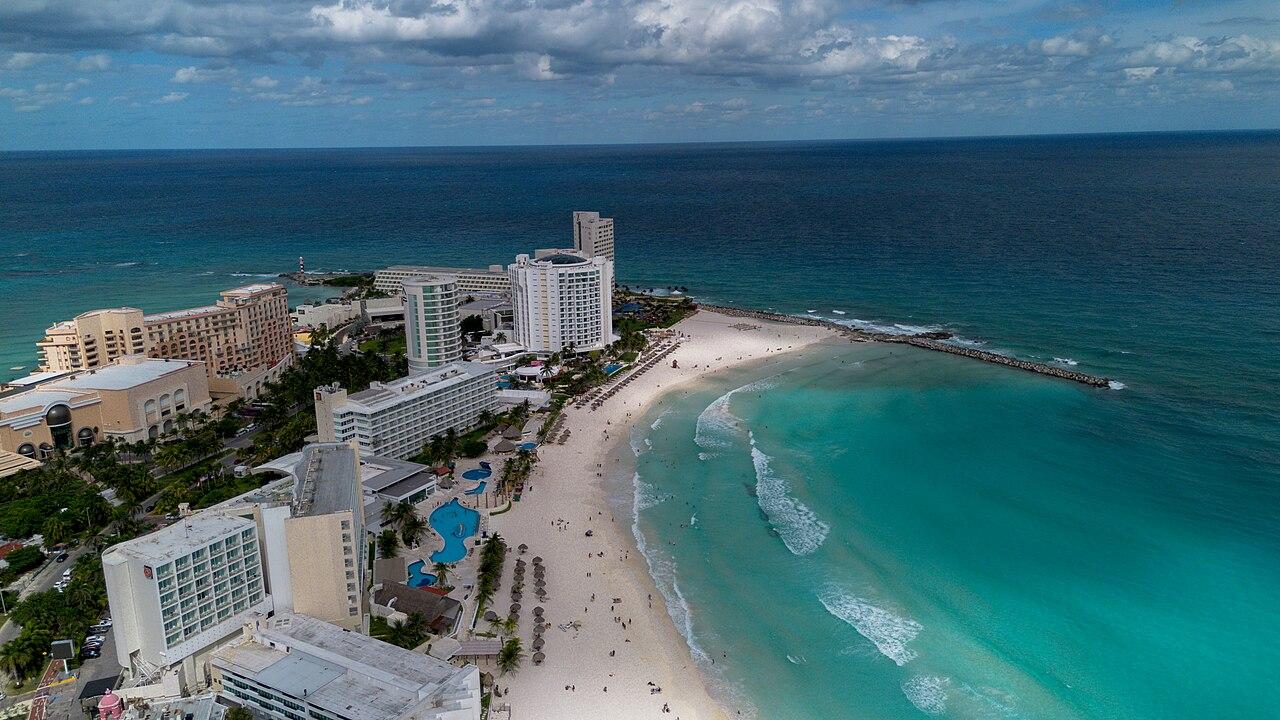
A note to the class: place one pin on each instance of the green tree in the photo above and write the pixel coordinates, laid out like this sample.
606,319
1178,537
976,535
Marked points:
412,529
388,543
510,656
441,571
238,713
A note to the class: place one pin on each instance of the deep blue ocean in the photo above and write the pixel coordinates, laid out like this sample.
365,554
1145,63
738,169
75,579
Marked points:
994,544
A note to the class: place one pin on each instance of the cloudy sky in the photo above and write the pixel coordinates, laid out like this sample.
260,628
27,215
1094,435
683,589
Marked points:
256,73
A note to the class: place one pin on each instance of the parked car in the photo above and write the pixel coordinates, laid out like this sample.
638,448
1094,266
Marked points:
62,557
66,573
99,628
95,638
87,653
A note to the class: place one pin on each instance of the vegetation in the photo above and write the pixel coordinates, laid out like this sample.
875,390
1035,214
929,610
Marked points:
471,325
492,556
53,615
402,517
238,713
388,341
515,470
510,656
20,561
408,633
388,543
353,280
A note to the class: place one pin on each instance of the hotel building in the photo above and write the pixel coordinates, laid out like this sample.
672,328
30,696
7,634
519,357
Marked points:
134,398
433,335
396,419
592,234
312,525
490,281
293,667
244,339
181,591
560,299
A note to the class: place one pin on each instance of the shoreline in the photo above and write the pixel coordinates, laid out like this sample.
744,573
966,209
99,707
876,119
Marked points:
609,667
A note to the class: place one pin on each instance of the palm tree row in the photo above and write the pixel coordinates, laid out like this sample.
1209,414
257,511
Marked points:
403,517
492,555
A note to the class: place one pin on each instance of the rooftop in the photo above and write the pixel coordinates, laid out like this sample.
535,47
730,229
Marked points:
562,259
436,270
180,538
38,377
38,397
254,289
179,314
343,672
382,395
127,372
328,480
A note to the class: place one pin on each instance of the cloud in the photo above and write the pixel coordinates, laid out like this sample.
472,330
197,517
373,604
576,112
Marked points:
95,62
264,82
187,75
24,60
173,97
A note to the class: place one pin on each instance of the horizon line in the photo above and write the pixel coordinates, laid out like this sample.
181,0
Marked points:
479,146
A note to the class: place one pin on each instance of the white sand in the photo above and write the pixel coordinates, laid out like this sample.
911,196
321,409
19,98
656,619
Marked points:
565,485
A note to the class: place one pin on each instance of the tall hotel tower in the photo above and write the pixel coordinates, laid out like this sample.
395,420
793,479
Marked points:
560,299
432,328
592,234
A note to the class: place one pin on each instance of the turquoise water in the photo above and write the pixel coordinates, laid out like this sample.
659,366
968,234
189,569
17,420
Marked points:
873,532
612,368
477,489
418,578
454,523
1079,553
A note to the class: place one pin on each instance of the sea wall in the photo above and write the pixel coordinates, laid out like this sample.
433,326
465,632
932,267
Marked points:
927,341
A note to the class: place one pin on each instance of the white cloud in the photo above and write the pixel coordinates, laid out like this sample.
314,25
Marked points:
264,82
24,60
90,63
172,97
188,75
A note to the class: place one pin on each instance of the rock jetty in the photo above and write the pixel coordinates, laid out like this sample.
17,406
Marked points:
926,341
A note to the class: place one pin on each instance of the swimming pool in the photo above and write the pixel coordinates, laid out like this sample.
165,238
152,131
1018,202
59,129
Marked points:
477,489
477,474
528,446
418,578
454,523
612,368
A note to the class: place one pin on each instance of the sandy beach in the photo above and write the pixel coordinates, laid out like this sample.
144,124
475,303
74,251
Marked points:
624,658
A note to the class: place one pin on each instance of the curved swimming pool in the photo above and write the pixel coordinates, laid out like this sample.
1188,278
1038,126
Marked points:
418,577
454,523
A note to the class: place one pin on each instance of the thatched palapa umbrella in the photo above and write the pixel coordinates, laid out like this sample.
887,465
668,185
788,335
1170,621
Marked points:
490,616
515,608
537,560
537,610
538,658
538,643
523,548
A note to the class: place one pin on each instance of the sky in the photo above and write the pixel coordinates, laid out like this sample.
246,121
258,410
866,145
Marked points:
87,74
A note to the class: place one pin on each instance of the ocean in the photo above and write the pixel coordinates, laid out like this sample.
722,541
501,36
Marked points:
879,532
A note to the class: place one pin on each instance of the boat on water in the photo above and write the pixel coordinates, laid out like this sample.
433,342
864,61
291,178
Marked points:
15,368
811,311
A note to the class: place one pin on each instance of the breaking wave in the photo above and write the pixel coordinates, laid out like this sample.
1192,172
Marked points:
927,692
890,633
716,424
799,527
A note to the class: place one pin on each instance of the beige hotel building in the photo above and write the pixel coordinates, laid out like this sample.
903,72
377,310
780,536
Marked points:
244,340
134,398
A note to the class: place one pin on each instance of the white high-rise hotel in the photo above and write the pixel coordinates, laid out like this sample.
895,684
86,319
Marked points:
562,298
431,325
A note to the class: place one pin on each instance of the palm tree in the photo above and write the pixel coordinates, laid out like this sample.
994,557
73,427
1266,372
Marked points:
441,571
412,529
500,337
416,625
510,656
55,529
388,543
510,625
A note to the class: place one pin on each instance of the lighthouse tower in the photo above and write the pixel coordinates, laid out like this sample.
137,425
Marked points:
302,266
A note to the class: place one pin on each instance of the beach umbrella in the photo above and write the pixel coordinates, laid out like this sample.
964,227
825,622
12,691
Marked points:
523,548
539,583
513,618
515,608
538,658
537,560
537,610
538,643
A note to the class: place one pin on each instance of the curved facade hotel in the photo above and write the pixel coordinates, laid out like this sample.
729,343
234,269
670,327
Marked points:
431,325
561,298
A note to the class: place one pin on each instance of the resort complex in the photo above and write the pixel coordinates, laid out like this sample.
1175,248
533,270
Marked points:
243,340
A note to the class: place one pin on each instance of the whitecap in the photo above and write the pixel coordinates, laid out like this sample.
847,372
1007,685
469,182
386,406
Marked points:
716,423
889,632
257,275
800,528
1116,385
646,495
927,692
839,312
797,660
1065,361
134,263
657,423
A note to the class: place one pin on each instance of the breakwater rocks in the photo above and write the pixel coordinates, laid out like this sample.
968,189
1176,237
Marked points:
926,341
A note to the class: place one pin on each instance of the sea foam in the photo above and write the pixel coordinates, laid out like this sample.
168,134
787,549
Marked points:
927,692
716,424
890,633
800,528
